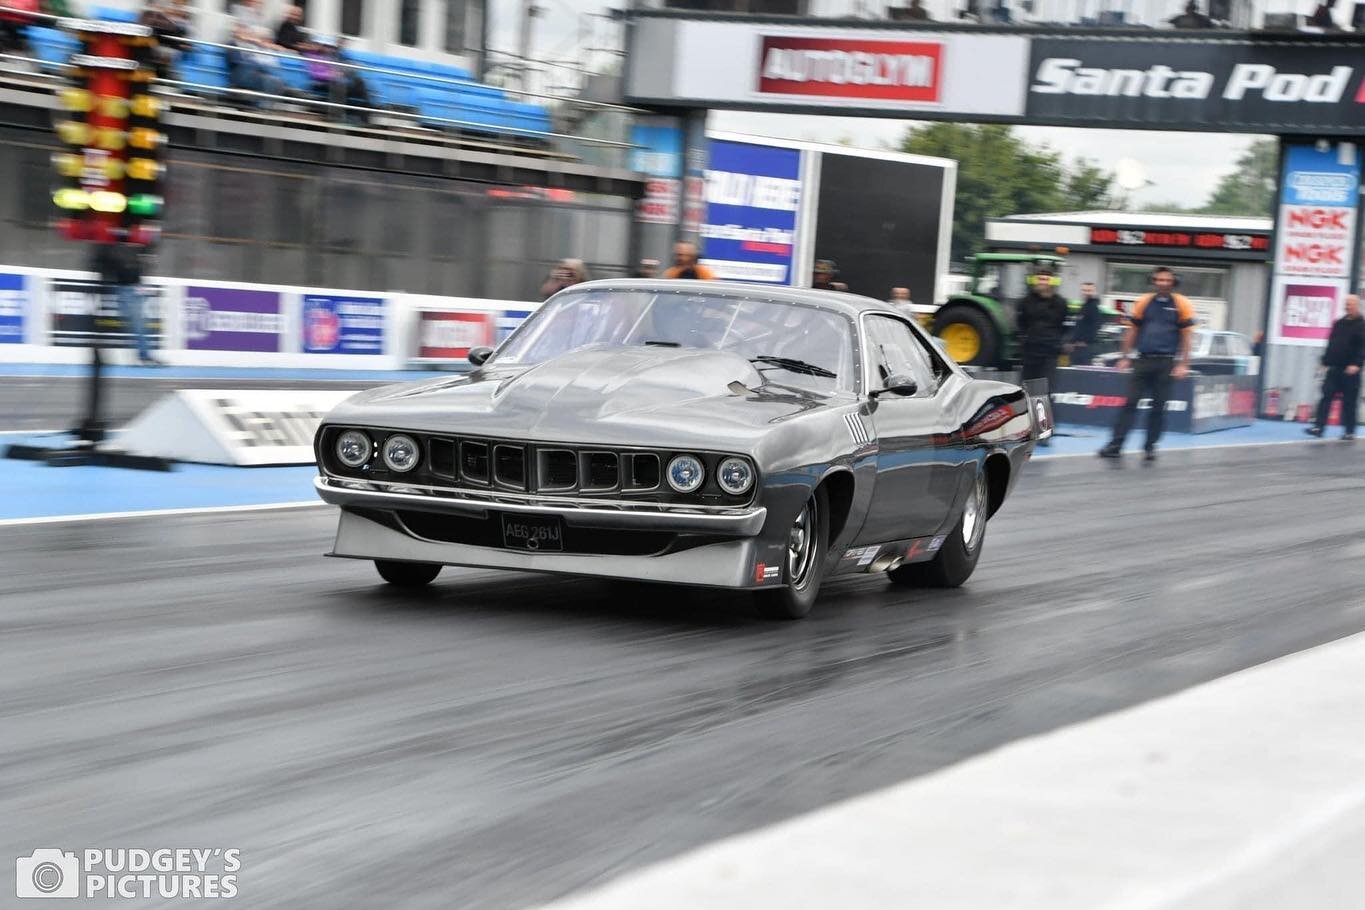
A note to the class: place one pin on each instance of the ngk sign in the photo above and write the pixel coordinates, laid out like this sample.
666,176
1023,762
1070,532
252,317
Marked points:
1228,84
1315,241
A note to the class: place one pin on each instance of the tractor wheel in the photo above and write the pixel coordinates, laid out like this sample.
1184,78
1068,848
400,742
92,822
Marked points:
969,335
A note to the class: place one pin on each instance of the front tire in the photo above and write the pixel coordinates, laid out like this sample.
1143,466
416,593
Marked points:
956,559
803,565
407,574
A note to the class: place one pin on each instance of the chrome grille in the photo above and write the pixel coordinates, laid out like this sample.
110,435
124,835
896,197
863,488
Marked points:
474,461
601,471
556,470
509,466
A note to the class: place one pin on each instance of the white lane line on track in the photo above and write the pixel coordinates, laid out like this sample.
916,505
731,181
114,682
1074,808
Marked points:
35,432
159,513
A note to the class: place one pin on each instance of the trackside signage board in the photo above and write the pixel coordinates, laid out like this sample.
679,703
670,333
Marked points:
753,195
1280,84
1315,238
1261,85
757,64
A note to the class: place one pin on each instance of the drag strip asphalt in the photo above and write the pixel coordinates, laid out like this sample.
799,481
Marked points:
504,739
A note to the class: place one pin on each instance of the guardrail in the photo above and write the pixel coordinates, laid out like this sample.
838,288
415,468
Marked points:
400,90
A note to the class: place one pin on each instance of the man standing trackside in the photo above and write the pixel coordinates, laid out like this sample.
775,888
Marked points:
1159,327
1041,324
1343,358
1087,327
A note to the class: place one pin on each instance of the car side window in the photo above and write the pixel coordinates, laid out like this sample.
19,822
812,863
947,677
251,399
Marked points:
1219,347
895,350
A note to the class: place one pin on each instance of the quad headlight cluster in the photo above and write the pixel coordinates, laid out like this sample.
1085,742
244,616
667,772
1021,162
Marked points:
400,452
686,474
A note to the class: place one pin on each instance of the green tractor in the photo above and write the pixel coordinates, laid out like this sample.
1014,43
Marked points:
977,328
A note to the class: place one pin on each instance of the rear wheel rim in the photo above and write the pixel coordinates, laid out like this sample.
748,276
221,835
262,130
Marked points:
962,341
974,515
801,545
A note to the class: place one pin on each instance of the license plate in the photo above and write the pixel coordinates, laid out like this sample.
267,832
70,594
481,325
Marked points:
532,532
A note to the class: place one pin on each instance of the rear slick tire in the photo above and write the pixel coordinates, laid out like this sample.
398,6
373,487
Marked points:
956,559
407,574
803,565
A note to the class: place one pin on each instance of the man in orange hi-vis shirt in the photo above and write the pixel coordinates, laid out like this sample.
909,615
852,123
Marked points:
1159,328
685,264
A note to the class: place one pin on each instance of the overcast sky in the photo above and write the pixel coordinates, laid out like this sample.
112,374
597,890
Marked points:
1183,167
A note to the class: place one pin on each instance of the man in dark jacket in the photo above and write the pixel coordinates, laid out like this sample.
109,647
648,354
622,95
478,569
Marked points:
119,266
1041,325
1087,327
1343,358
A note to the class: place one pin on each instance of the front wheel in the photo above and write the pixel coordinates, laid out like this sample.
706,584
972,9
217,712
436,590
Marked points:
956,559
407,574
803,564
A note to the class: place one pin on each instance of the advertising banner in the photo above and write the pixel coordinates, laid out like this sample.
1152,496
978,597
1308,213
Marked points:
718,64
659,204
1198,403
342,325
658,154
1271,87
82,316
1302,310
448,335
753,193
13,302
229,319
1315,240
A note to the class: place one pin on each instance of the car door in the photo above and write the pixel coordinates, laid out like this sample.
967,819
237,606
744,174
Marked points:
917,457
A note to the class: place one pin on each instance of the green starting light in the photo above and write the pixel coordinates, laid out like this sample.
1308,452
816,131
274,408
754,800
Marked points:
144,205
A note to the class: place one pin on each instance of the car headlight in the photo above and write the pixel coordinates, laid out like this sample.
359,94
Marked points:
736,476
685,473
354,448
401,453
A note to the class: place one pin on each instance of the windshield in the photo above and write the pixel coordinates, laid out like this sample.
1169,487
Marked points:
801,337
1003,280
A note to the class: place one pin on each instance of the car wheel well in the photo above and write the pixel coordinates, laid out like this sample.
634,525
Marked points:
839,491
997,468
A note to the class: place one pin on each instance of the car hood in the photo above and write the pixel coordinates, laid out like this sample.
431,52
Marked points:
641,396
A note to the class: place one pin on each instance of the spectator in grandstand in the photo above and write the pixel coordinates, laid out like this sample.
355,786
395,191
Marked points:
915,12
15,16
566,274
290,34
1322,17
1191,18
1343,358
648,268
249,14
1087,327
250,66
170,22
338,84
686,265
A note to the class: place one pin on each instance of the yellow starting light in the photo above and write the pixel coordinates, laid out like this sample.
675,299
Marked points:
77,99
105,201
114,106
143,169
67,165
73,132
113,169
71,199
110,139
146,105
143,138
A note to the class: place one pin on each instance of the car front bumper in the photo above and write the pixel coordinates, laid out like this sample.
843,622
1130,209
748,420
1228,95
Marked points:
729,563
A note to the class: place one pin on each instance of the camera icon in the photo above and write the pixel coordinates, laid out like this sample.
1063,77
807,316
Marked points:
47,873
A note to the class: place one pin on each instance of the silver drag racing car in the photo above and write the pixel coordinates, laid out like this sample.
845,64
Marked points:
685,432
